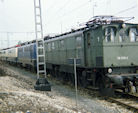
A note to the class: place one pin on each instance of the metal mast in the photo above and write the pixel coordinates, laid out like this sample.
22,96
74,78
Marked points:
41,67
41,83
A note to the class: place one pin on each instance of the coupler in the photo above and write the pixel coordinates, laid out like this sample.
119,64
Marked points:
42,85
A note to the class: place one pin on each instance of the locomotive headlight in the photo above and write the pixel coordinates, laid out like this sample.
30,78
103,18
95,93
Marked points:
123,25
110,70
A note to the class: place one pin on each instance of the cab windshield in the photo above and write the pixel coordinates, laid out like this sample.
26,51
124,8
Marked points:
133,35
109,35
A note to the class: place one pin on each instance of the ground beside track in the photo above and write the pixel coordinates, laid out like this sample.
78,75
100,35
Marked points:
17,94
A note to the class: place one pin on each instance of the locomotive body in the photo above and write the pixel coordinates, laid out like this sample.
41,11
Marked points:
108,55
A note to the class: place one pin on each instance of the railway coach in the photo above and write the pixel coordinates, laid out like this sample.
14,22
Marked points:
9,54
27,55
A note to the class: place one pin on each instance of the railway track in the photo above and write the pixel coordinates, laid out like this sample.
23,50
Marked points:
126,100
129,101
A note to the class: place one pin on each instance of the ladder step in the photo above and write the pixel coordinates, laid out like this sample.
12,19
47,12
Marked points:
40,55
37,6
38,23
41,47
37,15
41,39
39,31
42,71
42,63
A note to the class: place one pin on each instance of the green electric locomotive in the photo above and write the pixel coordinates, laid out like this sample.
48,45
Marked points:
108,51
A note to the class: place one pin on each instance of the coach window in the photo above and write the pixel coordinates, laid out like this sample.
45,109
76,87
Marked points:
25,49
10,51
20,50
62,44
78,42
49,47
31,48
133,35
28,48
109,35
53,45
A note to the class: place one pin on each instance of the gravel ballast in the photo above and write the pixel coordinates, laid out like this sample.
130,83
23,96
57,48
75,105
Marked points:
17,94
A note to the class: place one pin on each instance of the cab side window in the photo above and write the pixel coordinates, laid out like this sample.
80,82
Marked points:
78,42
109,35
53,45
49,47
123,35
133,35
62,46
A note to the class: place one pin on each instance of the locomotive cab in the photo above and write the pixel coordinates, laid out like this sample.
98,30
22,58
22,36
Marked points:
120,53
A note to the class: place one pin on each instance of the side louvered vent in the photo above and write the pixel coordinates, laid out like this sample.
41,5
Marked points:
99,61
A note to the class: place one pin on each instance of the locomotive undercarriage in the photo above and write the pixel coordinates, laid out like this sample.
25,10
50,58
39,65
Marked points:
86,77
96,77
66,73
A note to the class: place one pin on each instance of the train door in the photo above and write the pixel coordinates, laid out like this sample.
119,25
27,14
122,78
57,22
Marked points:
62,45
79,49
31,52
87,44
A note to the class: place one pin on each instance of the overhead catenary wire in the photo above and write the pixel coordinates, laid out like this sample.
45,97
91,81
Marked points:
125,10
69,12
75,9
51,6
61,17
65,4
7,36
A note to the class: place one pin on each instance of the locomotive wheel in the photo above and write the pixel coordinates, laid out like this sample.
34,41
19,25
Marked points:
57,73
100,83
63,77
104,88
67,76
72,79
79,75
125,90
83,82
137,89
83,79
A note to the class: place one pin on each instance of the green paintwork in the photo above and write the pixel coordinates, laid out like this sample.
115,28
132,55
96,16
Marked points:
94,52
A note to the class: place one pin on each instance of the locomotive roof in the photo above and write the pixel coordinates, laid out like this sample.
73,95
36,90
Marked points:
93,23
73,31
77,31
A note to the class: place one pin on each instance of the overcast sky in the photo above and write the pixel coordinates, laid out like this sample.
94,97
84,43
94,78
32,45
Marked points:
58,15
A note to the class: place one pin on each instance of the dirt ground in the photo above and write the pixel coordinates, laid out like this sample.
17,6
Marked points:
17,94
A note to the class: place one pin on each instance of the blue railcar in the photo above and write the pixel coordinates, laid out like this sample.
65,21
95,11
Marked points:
27,55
